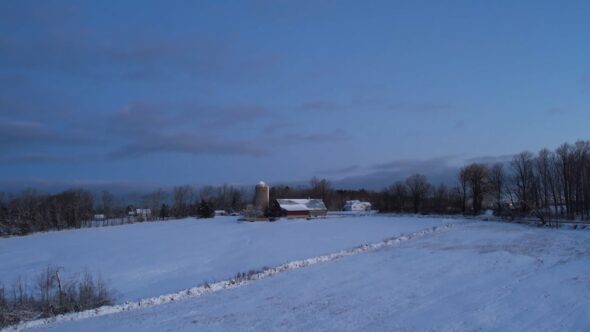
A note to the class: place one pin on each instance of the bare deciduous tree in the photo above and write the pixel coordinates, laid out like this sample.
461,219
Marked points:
524,179
418,188
476,177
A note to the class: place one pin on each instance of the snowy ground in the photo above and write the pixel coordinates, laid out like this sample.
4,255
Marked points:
150,259
473,276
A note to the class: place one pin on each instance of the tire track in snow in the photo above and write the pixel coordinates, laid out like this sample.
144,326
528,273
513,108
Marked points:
240,280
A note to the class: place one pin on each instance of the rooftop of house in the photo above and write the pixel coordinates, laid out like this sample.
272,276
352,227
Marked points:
309,204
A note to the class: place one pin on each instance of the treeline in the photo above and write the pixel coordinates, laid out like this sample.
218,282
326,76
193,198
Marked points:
188,201
413,195
555,183
32,211
548,185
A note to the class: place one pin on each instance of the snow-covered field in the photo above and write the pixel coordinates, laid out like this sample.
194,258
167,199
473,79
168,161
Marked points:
150,259
472,276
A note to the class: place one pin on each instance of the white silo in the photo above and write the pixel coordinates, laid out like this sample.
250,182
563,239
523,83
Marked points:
262,196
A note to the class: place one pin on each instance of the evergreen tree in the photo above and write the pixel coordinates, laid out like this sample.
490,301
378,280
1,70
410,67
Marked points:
164,211
205,209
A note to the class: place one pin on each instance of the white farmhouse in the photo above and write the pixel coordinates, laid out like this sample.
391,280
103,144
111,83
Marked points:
356,205
143,213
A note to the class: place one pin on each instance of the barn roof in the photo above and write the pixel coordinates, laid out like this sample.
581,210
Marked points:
302,204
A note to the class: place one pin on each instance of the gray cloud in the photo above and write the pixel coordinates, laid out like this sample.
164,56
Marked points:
415,164
337,135
421,107
378,176
84,52
438,170
342,170
382,179
320,106
502,159
151,128
186,143
142,117
21,132
18,133
45,158
235,115
49,186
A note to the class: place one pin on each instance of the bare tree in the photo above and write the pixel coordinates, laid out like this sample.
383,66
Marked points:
524,179
107,203
462,188
477,179
418,188
543,172
154,200
497,183
399,193
440,198
182,198
320,188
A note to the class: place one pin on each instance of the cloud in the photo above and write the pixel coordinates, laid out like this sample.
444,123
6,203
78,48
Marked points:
438,170
144,117
45,158
342,170
20,132
144,128
186,143
141,118
383,179
75,49
421,107
337,135
235,115
381,175
502,159
320,106
376,104
415,164
52,186
15,133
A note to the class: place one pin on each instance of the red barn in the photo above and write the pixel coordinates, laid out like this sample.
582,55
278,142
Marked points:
302,208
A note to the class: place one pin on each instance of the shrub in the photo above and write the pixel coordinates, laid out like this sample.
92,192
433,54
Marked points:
52,296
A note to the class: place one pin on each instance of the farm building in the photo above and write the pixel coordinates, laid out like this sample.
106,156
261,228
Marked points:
219,213
356,205
144,214
301,208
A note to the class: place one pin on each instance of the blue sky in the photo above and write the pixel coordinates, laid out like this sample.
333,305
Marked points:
176,92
